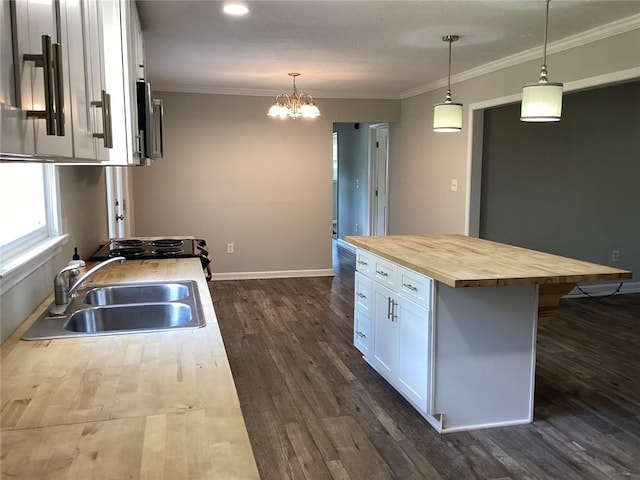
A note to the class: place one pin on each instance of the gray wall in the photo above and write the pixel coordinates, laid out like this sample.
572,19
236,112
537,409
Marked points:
83,205
571,187
353,179
233,175
422,163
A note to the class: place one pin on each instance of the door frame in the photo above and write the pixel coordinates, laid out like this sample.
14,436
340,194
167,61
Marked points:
374,135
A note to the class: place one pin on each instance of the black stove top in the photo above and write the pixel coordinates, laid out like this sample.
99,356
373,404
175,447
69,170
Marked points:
135,248
142,249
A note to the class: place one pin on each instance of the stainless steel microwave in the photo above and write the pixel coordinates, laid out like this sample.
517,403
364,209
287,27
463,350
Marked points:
150,123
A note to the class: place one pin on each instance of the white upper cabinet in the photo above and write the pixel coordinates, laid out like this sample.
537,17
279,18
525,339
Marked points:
69,91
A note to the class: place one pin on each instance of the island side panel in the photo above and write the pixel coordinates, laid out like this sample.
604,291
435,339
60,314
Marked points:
485,341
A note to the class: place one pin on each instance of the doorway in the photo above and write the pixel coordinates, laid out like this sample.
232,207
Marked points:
360,196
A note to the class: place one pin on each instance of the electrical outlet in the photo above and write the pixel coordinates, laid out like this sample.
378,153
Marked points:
615,255
230,248
357,228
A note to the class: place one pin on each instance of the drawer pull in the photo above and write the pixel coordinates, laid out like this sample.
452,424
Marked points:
361,335
410,287
380,272
362,262
361,295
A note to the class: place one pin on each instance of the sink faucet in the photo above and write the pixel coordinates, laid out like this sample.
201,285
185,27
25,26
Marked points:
63,292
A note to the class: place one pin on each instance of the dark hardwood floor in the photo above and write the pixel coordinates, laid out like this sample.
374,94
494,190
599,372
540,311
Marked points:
315,410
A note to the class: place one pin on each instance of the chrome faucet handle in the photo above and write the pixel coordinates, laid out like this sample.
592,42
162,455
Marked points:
63,292
60,286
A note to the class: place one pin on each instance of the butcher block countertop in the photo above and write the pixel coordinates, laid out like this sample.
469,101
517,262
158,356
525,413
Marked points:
462,261
135,406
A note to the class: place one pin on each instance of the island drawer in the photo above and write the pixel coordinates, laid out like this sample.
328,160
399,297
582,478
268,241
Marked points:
364,262
376,268
362,332
362,291
415,286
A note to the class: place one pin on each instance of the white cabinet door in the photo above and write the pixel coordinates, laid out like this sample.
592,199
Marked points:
79,60
101,124
16,132
119,20
412,369
385,337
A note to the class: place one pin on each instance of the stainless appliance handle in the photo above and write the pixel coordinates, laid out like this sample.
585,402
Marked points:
158,116
44,61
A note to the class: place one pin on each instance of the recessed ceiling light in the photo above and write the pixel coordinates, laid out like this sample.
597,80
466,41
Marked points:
235,9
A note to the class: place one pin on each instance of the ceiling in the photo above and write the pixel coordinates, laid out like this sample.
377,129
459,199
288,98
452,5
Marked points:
352,49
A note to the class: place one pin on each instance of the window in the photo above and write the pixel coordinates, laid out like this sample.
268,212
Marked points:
29,218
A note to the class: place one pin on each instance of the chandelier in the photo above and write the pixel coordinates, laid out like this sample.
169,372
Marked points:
294,105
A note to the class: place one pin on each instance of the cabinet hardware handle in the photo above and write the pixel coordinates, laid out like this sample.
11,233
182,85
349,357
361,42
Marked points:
388,308
107,133
362,335
410,287
361,295
44,61
59,81
394,313
380,272
362,262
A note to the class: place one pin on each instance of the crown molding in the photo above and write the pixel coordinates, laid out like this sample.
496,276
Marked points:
211,90
588,36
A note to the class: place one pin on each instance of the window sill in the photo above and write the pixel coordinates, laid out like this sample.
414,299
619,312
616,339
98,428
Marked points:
21,266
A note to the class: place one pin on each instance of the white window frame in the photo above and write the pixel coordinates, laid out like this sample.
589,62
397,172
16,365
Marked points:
26,254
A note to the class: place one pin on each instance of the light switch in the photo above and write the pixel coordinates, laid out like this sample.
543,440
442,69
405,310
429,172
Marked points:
454,185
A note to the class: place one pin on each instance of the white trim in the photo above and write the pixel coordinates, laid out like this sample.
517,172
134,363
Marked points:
480,426
604,289
273,274
256,92
346,245
21,266
583,38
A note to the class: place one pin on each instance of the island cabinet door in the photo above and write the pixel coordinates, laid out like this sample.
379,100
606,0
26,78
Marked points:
385,335
414,333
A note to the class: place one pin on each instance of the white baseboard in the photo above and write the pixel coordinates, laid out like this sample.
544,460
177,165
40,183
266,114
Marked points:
274,274
603,289
346,245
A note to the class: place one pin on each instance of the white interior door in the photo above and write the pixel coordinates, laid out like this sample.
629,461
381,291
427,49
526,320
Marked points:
119,204
380,183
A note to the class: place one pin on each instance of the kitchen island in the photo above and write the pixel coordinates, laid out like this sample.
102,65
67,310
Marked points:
135,406
450,321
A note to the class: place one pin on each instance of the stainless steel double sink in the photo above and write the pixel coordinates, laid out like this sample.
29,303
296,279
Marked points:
124,308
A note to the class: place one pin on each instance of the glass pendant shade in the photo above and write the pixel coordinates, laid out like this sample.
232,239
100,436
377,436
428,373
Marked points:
447,117
541,102
294,105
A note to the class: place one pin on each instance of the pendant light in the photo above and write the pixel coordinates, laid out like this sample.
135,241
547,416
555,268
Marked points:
542,101
447,116
294,105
